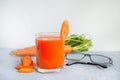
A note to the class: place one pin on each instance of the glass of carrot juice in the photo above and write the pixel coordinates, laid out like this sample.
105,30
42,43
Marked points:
49,52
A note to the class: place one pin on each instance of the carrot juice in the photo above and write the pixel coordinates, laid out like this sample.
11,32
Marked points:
50,51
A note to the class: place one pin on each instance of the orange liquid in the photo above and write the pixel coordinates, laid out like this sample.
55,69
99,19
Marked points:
50,52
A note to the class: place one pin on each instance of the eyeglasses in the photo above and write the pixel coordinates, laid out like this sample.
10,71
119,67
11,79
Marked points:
95,59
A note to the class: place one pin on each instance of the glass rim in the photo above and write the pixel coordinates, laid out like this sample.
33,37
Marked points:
47,33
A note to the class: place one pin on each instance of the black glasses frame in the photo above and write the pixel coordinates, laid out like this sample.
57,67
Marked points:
76,61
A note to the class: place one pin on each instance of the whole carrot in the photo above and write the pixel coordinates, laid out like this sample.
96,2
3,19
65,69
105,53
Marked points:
77,43
23,52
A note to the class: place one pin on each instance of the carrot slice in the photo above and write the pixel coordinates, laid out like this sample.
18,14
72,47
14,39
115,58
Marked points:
25,70
31,65
26,60
64,29
26,66
19,66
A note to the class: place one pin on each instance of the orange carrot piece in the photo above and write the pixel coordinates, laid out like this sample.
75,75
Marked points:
67,49
26,66
31,51
64,29
19,66
25,70
26,60
31,65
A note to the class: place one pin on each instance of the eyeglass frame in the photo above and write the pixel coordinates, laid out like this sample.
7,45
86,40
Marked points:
76,61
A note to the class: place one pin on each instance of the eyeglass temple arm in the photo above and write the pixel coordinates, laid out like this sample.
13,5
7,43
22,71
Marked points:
103,66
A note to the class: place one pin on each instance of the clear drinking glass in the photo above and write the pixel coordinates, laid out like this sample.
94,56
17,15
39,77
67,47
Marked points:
50,52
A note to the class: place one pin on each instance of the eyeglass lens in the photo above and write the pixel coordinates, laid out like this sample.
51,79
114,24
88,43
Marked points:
100,59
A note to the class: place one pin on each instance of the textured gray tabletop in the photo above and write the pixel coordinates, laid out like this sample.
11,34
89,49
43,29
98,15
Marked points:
74,72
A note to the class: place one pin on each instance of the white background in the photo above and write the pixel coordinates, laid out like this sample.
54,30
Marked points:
21,19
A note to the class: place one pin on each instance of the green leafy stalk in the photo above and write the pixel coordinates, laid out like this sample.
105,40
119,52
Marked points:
79,42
